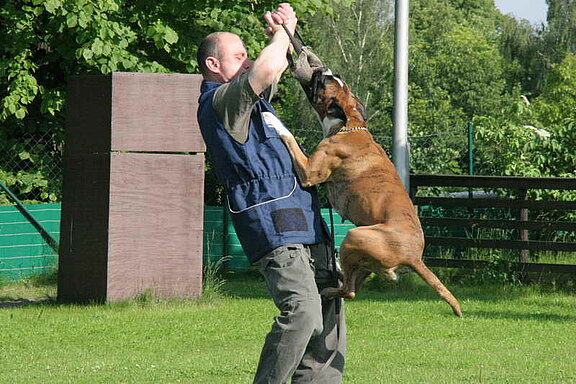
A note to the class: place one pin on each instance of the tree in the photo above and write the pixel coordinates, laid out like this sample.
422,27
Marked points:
456,72
43,42
562,24
467,62
354,42
555,109
527,56
538,137
557,101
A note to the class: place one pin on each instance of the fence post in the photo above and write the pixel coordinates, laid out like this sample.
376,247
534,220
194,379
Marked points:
524,236
225,233
470,154
413,190
400,147
413,193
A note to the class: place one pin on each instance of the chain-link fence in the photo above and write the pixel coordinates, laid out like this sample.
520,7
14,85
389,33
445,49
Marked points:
31,177
31,167
31,164
441,153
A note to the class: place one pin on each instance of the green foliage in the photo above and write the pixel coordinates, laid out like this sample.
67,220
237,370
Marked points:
360,55
30,168
40,280
467,62
469,68
562,24
526,53
43,42
535,139
212,280
557,103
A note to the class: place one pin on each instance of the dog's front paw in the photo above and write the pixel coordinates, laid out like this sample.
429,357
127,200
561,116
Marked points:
337,292
329,292
274,122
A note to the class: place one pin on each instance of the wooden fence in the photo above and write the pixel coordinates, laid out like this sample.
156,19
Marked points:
20,255
520,222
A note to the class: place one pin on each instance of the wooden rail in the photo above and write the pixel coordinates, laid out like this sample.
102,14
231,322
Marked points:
521,223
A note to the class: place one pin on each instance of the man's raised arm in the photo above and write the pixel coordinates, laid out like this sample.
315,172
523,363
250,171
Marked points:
271,62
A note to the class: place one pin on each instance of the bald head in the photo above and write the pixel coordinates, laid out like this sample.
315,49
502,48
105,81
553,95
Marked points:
219,53
208,48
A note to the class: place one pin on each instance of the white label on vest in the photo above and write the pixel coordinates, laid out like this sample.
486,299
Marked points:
274,122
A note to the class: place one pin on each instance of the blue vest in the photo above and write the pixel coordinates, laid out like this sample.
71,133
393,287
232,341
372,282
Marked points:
268,206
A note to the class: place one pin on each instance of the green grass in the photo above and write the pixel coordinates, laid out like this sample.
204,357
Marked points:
396,334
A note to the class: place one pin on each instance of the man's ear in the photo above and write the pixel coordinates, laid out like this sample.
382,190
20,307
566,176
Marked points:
213,64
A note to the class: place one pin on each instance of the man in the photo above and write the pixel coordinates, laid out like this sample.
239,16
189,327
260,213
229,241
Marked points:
277,220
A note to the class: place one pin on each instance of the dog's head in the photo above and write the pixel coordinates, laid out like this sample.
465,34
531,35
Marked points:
333,101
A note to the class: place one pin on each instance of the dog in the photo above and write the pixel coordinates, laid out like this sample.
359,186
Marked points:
364,188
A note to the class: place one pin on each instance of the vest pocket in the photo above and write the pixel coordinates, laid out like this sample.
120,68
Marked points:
256,193
289,220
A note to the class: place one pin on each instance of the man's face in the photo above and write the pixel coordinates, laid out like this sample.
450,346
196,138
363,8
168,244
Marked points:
233,57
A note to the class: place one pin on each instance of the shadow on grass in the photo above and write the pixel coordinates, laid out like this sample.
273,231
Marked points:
8,302
413,288
28,291
410,288
519,316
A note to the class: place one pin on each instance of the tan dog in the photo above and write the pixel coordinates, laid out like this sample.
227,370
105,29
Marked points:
364,188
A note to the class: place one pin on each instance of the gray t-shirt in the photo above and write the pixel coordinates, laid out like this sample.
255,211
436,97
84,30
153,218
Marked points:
233,102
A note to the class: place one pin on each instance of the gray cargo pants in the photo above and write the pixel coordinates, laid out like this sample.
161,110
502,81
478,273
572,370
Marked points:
305,343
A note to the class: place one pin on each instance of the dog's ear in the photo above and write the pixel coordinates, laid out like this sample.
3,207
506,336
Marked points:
360,107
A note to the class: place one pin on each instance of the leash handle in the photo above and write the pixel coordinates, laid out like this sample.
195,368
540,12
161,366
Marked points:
300,37
334,253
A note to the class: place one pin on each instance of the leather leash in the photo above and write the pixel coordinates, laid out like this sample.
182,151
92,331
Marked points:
298,49
338,301
295,43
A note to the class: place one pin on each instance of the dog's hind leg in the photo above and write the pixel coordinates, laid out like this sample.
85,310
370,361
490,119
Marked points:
361,277
355,264
429,277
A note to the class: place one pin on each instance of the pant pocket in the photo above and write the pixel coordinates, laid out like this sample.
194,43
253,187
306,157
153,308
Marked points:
289,276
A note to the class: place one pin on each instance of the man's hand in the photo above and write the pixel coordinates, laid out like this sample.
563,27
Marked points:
283,15
271,62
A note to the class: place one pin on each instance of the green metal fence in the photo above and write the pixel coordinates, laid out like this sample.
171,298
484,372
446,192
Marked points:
220,239
23,250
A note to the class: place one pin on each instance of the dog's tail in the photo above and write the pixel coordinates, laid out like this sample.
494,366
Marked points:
421,269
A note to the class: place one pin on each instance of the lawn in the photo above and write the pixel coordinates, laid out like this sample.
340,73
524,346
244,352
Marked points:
396,334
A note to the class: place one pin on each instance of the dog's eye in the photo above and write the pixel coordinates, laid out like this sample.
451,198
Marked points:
335,110
338,80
